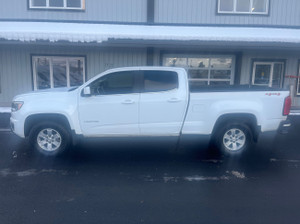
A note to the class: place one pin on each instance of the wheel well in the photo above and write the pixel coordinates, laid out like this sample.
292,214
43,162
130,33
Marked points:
34,119
248,119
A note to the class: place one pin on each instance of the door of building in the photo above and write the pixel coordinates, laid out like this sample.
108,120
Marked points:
268,74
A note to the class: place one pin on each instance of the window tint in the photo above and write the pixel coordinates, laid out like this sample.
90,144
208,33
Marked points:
243,6
56,3
38,2
155,81
262,74
226,5
76,71
74,3
259,6
115,83
59,72
43,73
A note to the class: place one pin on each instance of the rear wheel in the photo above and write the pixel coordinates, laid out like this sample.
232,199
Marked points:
50,138
234,138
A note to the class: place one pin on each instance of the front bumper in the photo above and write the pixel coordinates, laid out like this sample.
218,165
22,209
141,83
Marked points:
284,127
16,127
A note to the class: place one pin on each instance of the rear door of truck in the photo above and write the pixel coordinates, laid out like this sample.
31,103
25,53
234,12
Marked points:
163,102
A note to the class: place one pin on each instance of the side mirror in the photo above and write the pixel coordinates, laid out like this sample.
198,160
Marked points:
87,91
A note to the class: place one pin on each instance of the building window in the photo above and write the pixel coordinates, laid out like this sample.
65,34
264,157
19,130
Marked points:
204,70
243,6
57,4
268,74
54,72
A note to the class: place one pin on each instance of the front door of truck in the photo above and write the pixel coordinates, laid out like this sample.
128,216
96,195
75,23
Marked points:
112,108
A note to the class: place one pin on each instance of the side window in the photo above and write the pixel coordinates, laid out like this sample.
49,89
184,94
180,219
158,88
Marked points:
155,81
115,83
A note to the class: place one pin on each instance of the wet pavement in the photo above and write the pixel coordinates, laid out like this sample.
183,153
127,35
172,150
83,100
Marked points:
150,181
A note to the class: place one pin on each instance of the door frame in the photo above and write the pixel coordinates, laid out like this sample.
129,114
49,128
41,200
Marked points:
298,80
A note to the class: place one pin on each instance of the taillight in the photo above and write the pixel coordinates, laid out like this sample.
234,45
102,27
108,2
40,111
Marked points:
287,105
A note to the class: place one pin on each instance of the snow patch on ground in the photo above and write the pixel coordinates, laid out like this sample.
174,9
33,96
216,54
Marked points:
170,179
238,175
285,160
212,161
4,172
30,172
26,173
149,178
230,175
65,199
5,109
14,154
202,178
167,178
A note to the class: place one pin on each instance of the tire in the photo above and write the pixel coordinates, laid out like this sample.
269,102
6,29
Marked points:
50,138
234,139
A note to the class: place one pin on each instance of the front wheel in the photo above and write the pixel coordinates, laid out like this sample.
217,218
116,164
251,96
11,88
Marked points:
50,138
234,138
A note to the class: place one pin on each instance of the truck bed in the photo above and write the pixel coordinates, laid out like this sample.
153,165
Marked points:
207,104
230,88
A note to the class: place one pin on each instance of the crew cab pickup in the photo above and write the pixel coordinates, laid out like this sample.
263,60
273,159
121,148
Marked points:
148,101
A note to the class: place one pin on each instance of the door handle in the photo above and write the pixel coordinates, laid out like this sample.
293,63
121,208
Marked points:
174,100
128,101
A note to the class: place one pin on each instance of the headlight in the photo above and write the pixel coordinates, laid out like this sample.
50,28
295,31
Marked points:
16,105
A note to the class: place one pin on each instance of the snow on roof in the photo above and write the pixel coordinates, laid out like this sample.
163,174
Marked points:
86,33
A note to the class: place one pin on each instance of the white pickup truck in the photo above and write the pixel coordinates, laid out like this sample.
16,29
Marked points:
148,101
